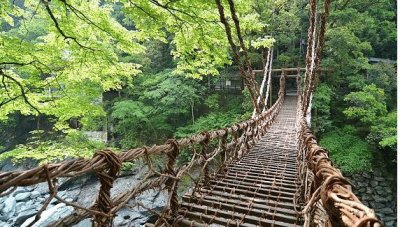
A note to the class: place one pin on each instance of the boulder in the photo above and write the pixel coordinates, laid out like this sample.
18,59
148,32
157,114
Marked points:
22,216
20,190
390,224
35,194
84,223
51,215
28,205
380,179
21,197
366,174
386,211
9,208
4,224
374,183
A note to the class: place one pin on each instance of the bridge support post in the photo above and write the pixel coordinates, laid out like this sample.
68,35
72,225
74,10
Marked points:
204,146
172,184
223,143
106,176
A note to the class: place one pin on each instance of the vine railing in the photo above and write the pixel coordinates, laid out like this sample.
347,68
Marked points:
326,194
210,152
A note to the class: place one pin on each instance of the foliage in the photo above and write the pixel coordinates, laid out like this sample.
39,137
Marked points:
366,105
59,63
207,123
384,131
351,153
212,101
384,76
322,108
199,43
164,102
363,93
74,145
265,42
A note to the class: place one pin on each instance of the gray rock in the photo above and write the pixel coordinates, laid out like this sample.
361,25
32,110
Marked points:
120,221
386,211
378,206
40,199
380,179
21,206
130,217
8,209
390,224
377,174
391,218
22,216
381,192
379,199
35,194
367,197
365,174
4,224
24,196
374,183
62,194
20,190
387,189
84,223
361,190
51,215
42,188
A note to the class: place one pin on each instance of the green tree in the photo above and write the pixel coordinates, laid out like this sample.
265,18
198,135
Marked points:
162,103
384,132
322,99
58,57
367,105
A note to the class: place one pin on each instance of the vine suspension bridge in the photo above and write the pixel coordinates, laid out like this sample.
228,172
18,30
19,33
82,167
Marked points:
265,171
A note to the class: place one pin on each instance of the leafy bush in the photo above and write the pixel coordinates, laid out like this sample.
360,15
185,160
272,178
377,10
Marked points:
351,153
209,122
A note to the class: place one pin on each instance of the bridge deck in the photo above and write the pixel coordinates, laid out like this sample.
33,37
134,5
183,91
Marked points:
259,189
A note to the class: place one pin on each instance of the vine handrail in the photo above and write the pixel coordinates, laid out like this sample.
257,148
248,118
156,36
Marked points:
327,194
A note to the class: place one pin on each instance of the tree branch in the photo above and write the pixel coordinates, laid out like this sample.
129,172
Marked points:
243,46
56,24
236,55
82,16
23,93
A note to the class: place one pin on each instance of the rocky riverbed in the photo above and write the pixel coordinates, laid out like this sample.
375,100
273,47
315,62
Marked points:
20,207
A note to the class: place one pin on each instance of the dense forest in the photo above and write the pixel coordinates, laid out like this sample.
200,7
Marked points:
140,72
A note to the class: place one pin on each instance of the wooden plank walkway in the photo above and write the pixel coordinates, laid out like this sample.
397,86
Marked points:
257,190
